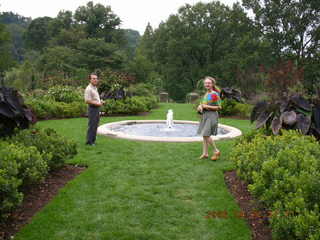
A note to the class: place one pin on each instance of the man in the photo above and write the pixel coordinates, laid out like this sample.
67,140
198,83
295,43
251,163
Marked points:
92,98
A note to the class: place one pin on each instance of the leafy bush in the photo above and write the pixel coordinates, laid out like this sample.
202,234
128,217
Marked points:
131,105
231,107
151,102
48,106
65,94
142,90
19,165
47,142
284,173
9,181
47,109
26,158
228,107
135,105
243,110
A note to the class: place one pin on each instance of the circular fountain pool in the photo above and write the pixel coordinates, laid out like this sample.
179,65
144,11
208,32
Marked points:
157,130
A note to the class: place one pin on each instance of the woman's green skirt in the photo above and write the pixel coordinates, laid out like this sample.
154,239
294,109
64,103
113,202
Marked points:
208,125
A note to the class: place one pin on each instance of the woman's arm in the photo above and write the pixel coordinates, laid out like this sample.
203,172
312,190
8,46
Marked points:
213,108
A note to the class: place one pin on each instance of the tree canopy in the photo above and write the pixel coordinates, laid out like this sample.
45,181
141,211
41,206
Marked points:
199,40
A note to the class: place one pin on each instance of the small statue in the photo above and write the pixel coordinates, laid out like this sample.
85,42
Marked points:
170,118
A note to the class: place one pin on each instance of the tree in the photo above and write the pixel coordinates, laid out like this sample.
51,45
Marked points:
203,39
97,54
60,59
132,38
64,21
292,27
99,20
69,37
6,60
38,33
146,43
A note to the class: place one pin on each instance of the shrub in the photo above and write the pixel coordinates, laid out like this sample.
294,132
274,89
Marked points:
228,107
9,181
65,94
243,110
151,102
142,90
284,173
26,158
231,107
47,109
47,142
135,105
131,105
19,165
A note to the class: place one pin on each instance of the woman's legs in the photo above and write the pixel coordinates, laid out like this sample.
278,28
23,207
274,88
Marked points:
204,149
212,143
216,150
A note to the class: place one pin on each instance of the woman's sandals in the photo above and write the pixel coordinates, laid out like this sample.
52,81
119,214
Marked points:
203,156
216,156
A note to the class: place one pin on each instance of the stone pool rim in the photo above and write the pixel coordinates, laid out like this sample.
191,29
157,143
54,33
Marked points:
105,130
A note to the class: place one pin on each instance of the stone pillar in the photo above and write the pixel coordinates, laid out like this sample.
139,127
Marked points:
164,97
192,97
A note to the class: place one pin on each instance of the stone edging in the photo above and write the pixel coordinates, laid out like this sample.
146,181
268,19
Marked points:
106,130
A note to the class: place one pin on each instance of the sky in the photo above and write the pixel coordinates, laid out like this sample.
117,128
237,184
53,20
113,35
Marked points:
134,14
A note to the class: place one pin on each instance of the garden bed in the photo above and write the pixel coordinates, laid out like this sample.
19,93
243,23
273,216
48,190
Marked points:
250,208
36,197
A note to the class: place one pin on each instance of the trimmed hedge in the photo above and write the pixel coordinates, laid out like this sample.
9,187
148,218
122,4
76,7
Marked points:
47,142
18,165
48,108
25,159
234,108
284,173
132,105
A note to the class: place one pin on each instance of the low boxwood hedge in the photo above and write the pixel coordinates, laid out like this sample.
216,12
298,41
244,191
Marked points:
283,172
25,159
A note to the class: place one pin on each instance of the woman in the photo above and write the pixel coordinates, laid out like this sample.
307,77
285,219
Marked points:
209,107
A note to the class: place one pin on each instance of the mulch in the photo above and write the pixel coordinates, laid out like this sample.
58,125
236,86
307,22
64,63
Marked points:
36,197
251,210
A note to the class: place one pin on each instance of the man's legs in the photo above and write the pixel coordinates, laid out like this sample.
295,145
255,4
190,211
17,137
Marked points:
94,117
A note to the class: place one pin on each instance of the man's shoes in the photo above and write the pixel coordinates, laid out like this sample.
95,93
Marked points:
91,144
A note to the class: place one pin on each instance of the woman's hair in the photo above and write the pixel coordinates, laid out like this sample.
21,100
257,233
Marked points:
214,85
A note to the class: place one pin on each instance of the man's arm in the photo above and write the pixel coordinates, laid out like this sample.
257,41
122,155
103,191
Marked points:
95,103
88,99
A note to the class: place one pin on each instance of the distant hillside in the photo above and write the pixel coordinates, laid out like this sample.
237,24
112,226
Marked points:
16,25
133,37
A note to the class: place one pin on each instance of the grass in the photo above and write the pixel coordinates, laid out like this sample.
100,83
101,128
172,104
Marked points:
141,190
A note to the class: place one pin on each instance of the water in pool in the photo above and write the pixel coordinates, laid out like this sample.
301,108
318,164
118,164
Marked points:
161,130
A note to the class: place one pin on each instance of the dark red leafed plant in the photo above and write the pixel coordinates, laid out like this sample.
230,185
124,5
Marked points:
13,112
231,93
294,112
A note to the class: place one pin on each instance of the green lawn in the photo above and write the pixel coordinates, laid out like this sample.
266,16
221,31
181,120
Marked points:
141,190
